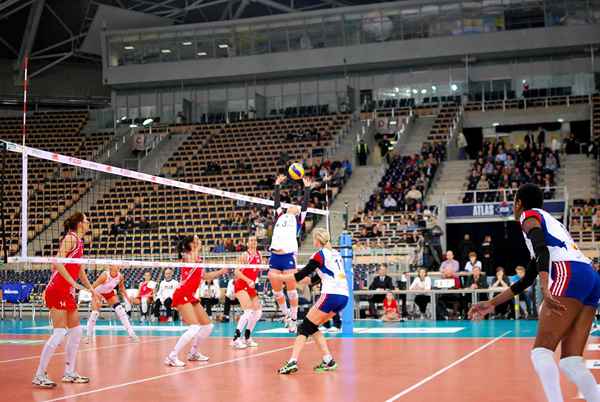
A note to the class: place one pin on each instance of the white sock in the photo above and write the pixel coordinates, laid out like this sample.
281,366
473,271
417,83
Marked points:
203,333
244,319
280,298
184,339
91,324
254,319
58,334
293,295
547,370
327,358
71,348
122,314
575,369
144,305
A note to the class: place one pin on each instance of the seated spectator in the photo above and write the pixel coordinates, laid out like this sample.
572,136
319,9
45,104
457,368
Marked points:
449,305
164,296
390,308
476,281
209,295
413,196
527,297
501,282
390,203
473,262
596,221
381,282
449,265
145,295
422,282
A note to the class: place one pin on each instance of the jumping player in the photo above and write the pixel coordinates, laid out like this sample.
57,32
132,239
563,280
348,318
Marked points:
284,247
105,285
245,292
334,296
571,290
59,297
188,305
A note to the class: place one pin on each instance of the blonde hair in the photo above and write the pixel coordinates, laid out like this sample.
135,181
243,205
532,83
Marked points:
321,235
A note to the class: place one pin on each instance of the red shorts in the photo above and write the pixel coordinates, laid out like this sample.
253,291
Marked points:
240,285
182,296
109,295
60,300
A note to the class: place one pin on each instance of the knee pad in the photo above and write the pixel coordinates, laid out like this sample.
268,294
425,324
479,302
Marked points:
115,306
293,294
573,367
58,335
278,293
307,328
94,316
194,329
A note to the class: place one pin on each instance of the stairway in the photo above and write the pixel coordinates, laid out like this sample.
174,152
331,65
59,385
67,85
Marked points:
580,175
412,142
451,178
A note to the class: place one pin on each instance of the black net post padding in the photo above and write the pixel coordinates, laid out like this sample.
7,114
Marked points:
3,156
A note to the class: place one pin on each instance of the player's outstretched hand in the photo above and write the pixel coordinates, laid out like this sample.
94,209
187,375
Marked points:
280,179
552,304
307,181
480,310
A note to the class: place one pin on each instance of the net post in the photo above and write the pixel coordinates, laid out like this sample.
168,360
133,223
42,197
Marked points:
24,204
3,155
348,312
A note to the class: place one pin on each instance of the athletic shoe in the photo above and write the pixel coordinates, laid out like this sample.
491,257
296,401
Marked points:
293,326
75,378
134,338
286,321
322,367
173,361
197,357
43,381
288,368
170,319
239,344
333,330
323,329
250,343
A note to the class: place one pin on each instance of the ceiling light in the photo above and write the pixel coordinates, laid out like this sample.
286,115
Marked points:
128,47
524,81
397,89
165,51
223,45
433,88
495,124
201,53
186,43
132,125
415,91
454,87
147,122
560,120
423,91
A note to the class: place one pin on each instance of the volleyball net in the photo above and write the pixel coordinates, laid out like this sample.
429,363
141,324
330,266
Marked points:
136,219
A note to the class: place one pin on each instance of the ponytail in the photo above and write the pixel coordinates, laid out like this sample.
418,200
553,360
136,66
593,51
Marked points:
185,245
70,224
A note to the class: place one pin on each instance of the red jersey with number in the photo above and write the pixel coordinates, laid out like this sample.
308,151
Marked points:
57,281
190,282
145,290
390,305
253,259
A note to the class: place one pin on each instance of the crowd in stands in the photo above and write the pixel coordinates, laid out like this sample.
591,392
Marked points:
501,167
128,225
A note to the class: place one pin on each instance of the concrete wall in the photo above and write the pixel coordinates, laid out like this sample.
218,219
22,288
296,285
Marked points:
530,116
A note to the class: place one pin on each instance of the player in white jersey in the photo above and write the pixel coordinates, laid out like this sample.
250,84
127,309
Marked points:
571,290
329,266
105,285
284,247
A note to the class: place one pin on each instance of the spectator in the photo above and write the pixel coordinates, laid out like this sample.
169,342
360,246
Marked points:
390,308
501,282
473,262
230,299
145,294
209,295
362,152
527,297
413,196
449,266
596,221
487,261
164,295
390,203
381,282
461,143
422,282
465,247
476,281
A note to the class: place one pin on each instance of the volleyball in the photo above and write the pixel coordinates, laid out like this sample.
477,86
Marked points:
296,171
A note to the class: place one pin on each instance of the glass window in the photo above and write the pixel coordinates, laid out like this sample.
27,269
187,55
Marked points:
352,29
245,41
187,46
314,30
333,31
204,45
278,38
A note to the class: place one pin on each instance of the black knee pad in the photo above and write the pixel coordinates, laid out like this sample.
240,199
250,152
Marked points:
307,328
114,307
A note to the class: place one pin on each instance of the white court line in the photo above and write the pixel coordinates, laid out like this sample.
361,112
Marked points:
89,349
448,367
174,373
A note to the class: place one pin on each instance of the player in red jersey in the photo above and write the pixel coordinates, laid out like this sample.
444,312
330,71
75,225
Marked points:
188,305
146,295
59,297
245,291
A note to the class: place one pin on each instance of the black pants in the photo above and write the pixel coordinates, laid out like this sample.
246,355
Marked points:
337,322
227,307
422,301
168,302
208,303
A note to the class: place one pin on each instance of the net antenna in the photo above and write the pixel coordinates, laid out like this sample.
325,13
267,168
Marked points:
123,173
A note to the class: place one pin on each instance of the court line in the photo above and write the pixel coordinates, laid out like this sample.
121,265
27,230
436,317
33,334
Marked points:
89,349
174,373
448,367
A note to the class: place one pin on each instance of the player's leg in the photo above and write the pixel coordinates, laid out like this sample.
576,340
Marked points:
246,305
293,296
572,363
91,324
188,315
156,309
122,316
74,333
552,328
59,332
206,328
277,286
256,314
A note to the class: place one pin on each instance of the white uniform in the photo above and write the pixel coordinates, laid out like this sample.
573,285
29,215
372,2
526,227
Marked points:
331,271
109,284
166,290
285,232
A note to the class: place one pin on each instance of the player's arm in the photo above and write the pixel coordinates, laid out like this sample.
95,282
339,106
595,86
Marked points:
276,195
100,280
307,270
86,282
123,291
308,183
209,276
67,245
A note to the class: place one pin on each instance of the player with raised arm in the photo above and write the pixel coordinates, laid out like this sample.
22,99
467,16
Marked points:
571,290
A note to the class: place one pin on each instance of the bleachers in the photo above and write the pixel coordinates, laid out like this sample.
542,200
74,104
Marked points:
52,188
596,115
581,222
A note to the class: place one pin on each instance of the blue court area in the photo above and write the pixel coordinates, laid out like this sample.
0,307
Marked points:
368,329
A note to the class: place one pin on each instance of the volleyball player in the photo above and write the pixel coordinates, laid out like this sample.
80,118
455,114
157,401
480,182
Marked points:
188,305
105,285
59,297
329,266
284,247
146,295
245,292
571,290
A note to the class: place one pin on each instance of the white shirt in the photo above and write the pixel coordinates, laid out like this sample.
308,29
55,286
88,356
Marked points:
469,266
109,284
285,231
419,284
211,291
331,271
166,289
230,292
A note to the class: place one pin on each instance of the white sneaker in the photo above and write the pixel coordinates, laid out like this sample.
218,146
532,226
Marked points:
323,329
239,344
43,381
75,378
173,361
134,338
333,330
286,321
170,319
197,357
293,326
250,343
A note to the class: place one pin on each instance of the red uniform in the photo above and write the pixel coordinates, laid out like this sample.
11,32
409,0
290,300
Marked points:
59,294
190,281
251,273
145,290
390,306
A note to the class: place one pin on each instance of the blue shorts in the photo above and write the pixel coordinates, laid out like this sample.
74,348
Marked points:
282,262
329,303
576,280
